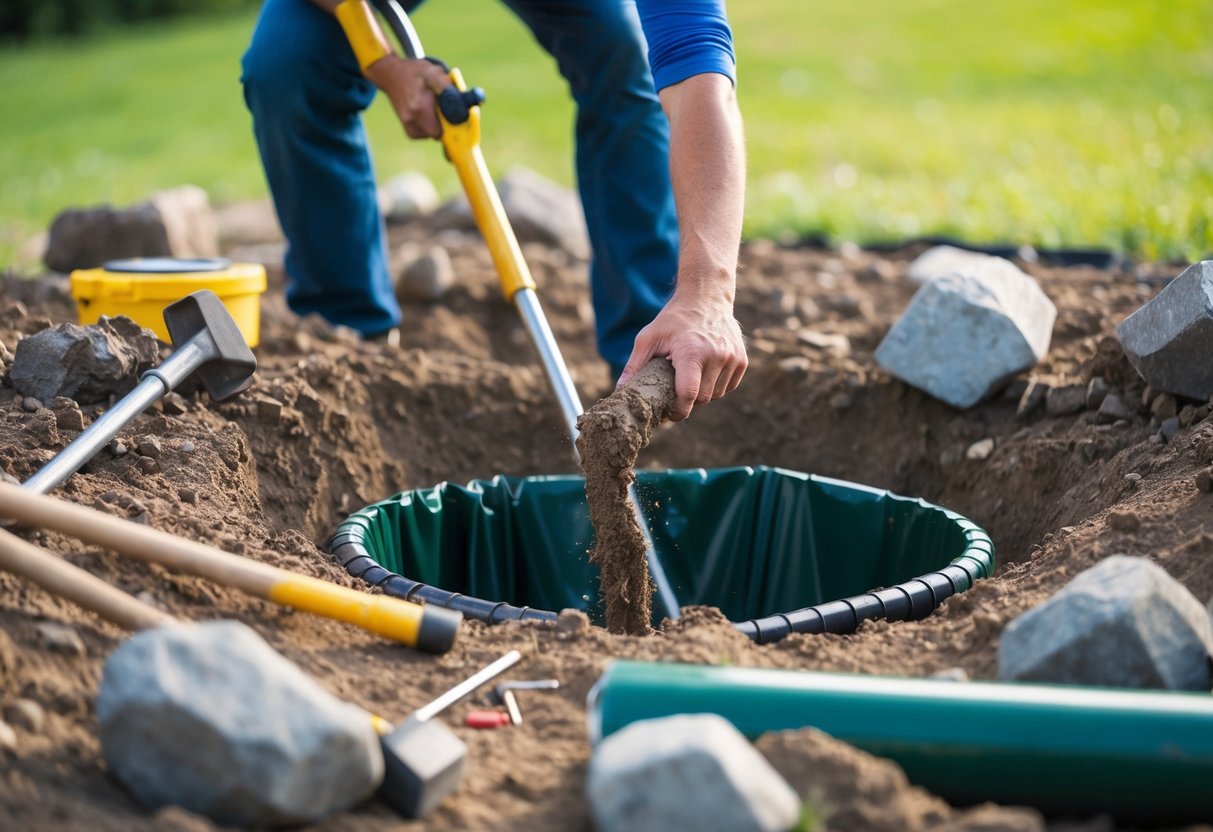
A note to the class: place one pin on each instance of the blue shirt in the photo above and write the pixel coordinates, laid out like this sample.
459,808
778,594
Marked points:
687,37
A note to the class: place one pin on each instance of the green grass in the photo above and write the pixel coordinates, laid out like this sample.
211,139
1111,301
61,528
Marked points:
1054,122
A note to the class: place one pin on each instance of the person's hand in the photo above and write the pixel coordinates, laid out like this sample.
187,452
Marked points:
703,341
412,87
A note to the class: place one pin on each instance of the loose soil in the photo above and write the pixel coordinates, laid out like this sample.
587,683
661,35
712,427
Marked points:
611,435
332,424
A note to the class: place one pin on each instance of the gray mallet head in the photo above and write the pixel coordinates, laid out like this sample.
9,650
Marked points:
422,764
224,363
423,759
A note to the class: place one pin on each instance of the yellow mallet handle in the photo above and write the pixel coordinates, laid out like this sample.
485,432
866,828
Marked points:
428,628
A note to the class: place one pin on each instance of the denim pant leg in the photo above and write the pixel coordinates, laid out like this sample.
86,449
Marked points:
622,161
306,94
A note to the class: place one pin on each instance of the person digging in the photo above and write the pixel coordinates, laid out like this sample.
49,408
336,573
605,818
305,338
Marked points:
662,193
662,285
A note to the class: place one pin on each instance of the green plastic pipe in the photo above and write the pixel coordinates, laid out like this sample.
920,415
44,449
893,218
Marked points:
1140,755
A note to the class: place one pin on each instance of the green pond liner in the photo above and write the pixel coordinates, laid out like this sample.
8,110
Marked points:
1143,756
752,541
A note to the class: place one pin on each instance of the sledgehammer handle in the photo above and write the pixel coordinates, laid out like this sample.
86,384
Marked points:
72,583
429,628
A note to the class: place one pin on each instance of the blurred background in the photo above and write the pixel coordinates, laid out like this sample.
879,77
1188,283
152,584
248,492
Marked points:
1046,122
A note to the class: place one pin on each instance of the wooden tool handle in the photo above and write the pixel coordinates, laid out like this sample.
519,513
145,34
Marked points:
430,629
72,583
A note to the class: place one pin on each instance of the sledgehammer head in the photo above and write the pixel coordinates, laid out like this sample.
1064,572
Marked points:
226,364
423,763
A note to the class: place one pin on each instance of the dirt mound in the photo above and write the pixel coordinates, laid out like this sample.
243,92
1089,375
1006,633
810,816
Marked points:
332,424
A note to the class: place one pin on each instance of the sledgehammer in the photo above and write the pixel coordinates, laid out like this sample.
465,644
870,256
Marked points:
270,773
208,342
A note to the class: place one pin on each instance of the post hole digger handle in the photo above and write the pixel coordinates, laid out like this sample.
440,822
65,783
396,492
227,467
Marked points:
459,114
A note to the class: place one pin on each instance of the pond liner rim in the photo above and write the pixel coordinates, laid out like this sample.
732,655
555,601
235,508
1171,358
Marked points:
910,600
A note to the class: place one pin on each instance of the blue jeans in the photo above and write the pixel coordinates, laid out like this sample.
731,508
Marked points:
306,94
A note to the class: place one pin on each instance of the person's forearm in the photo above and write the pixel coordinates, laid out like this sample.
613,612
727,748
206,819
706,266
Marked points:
707,169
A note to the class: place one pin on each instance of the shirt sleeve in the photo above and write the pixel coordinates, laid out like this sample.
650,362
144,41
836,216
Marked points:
687,37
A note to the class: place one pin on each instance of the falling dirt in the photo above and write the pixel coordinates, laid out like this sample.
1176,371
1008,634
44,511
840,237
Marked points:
333,424
612,433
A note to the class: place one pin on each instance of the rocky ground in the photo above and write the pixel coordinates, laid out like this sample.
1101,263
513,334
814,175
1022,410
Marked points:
333,424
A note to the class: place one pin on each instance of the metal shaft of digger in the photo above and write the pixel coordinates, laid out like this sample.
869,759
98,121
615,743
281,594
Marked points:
459,112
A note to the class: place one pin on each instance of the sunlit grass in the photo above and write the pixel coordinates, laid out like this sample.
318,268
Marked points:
1075,122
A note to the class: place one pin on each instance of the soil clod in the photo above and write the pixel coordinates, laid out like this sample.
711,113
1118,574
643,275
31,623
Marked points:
612,433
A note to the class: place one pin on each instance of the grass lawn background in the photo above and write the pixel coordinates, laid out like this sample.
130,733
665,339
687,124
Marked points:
1052,122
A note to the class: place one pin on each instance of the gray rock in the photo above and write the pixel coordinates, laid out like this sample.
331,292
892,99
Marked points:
182,715
427,278
1169,339
693,771
941,260
174,223
1112,409
1122,623
85,363
407,196
60,638
539,210
30,405
964,336
1066,400
26,714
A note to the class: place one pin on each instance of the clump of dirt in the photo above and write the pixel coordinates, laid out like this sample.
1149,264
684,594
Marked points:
611,434
332,424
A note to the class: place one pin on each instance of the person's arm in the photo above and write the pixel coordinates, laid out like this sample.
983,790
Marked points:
691,55
411,86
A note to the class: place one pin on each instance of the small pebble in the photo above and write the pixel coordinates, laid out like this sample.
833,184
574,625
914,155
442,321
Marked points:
119,448
1187,415
60,638
148,465
796,366
951,674
29,404
26,714
173,404
149,446
188,495
8,737
980,450
188,447
67,414
1204,480
1133,477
